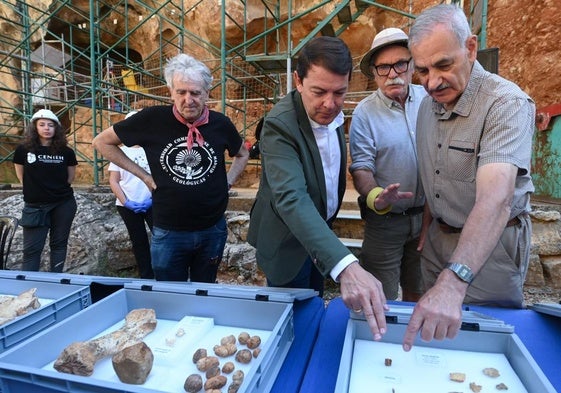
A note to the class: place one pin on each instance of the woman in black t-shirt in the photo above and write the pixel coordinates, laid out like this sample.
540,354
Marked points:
46,167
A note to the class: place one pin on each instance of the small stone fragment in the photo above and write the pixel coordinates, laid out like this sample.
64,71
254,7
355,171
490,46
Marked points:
256,352
212,372
253,342
475,387
228,367
238,376
215,382
387,362
134,363
491,372
457,377
234,387
225,350
243,337
199,354
501,386
207,363
231,339
244,356
193,383
180,332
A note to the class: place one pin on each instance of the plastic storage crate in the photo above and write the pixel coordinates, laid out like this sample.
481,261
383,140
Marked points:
100,286
231,308
58,301
483,342
548,308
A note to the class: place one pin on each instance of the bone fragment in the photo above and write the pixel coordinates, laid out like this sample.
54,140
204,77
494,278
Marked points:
133,364
15,306
79,358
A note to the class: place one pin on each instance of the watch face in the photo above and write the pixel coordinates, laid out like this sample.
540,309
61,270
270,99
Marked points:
462,271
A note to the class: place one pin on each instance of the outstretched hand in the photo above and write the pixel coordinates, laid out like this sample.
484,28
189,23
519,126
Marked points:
362,292
391,195
437,315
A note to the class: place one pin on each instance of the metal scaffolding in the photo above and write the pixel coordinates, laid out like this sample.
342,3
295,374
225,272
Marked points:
90,67
81,65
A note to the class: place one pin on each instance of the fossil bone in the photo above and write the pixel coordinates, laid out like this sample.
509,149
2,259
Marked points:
80,357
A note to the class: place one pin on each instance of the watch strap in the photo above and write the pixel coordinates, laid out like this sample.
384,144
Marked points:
463,272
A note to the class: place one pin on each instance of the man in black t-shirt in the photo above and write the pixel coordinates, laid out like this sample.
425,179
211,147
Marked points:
185,145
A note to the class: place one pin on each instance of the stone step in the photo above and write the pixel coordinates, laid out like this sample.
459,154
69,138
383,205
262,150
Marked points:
348,226
351,243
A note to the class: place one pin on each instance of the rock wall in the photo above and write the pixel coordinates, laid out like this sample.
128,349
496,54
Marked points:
99,243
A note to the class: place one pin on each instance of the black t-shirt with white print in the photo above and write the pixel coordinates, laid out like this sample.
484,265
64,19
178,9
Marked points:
45,174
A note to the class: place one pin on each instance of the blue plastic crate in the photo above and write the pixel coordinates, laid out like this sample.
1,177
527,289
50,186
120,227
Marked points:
59,301
28,368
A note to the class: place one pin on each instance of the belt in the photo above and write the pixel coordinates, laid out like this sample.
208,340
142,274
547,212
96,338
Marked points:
409,212
450,229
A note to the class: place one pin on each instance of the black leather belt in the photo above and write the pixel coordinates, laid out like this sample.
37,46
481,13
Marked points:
444,227
409,212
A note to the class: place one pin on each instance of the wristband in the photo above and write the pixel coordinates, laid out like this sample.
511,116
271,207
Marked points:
371,198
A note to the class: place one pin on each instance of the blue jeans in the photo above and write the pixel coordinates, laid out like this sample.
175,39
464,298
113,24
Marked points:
60,221
188,255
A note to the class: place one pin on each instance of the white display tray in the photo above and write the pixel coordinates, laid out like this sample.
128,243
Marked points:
427,367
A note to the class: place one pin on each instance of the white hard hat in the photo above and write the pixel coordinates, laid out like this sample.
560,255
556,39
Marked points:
130,114
45,114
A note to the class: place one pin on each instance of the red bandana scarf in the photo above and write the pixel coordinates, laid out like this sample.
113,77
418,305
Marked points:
203,119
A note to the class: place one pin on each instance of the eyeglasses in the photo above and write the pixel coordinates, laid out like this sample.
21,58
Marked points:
400,67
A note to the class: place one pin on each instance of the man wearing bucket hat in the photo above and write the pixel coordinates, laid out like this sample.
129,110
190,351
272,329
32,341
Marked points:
384,162
46,166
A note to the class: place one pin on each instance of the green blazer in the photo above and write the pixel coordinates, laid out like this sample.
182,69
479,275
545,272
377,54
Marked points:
288,217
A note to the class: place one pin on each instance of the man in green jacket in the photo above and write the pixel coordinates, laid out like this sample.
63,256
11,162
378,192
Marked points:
304,162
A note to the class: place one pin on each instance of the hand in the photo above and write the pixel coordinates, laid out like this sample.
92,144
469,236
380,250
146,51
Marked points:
391,195
145,205
149,181
361,291
438,314
132,205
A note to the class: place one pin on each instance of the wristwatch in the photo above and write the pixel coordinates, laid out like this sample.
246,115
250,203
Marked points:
463,272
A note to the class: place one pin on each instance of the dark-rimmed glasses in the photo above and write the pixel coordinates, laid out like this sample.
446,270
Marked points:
400,67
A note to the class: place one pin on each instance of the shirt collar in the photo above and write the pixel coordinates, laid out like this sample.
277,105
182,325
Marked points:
389,102
336,123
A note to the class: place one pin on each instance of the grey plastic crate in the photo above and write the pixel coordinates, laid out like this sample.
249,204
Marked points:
60,302
100,286
27,369
482,334
548,308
